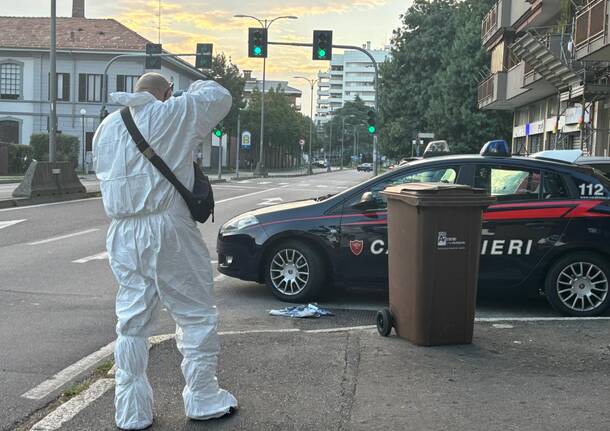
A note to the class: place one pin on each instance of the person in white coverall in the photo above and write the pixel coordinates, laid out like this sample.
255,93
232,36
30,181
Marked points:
156,252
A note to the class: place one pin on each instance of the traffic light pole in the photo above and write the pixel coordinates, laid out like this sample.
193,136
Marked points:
375,65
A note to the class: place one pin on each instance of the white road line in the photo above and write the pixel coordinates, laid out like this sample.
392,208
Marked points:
321,186
264,182
340,329
8,223
284,184
538,319
244,182
260,331
100,256
65,412
58,238
27,207
220,277
69,373
246,195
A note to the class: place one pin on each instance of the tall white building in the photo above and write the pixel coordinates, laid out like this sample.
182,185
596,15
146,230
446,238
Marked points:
350,75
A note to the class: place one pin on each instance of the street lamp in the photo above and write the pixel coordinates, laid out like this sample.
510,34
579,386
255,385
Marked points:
83,112
312,82
260,168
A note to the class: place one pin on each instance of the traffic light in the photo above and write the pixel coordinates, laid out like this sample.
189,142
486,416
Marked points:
257,42
218,130
322,45
204,56
371,121
153,62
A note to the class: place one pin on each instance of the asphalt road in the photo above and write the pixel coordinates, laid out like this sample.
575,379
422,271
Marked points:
58,292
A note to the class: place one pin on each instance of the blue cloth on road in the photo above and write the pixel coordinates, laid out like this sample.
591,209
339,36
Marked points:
300,311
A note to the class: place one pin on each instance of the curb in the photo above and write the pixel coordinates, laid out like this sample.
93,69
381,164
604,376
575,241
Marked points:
24,202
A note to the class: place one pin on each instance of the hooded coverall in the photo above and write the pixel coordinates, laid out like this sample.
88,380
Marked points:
156,252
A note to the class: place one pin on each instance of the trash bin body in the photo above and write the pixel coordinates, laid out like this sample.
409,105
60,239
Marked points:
434,237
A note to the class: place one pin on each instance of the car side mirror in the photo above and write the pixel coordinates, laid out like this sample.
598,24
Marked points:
366,201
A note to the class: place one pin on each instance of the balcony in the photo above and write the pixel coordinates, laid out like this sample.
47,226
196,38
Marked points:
492,90
591,33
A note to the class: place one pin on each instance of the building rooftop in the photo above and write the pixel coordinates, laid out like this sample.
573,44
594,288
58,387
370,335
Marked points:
72,33
283,85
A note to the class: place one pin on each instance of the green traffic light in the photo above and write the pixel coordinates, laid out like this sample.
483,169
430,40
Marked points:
372,129
258,50
321,53
218,133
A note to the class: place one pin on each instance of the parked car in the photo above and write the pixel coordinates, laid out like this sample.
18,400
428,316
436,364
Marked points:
365,167
577,157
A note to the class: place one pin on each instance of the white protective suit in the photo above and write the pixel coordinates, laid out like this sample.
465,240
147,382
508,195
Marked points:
156,252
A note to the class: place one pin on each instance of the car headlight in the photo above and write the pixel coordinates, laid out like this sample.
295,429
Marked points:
239,223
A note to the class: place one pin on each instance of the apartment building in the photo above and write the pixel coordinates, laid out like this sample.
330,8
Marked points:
350,75
291,93
549,66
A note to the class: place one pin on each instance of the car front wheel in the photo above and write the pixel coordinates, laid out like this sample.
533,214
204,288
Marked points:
294,272
577,285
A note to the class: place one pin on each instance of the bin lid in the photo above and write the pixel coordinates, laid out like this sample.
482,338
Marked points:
439,194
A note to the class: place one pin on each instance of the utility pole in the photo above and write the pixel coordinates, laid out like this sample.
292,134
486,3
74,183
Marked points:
238,144
53,83
330,148
312,82
260,167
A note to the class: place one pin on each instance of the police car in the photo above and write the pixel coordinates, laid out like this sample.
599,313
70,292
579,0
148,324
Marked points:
548,232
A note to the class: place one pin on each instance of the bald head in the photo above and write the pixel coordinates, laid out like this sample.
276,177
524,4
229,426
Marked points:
155,84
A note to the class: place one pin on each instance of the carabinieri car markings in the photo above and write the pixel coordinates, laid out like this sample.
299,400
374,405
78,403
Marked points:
549,232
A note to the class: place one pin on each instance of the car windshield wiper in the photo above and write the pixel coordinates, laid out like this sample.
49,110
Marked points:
323,198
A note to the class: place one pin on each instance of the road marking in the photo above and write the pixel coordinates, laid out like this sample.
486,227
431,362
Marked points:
244,182
246,195
538,319
264,182
27,207
271,201
340,329
321,186
69,373
220,277
100,256
58,238
65,412
4,224
284,184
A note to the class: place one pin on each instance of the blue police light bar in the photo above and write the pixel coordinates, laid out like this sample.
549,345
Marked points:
496,148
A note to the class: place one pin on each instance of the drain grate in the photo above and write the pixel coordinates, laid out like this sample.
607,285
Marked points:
341,318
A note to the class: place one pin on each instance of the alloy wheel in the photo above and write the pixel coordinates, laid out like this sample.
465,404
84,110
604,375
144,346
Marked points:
289,271
582,286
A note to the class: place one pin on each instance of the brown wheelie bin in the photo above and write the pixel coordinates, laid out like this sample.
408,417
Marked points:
434,237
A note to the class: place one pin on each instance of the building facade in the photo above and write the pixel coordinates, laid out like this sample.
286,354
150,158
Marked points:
549,66
293,94
350,75
84,47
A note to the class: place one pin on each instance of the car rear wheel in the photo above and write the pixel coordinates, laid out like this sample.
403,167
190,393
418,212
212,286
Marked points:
294,272
577,285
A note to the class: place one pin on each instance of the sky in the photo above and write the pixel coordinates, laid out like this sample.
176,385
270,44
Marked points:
184,23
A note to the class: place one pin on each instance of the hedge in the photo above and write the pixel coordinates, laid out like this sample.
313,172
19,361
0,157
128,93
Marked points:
67,147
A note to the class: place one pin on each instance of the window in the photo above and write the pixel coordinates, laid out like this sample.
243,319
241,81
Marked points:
10,81
592,187
9,131
63,87
439,175
553,186
508,184
126,83
89,88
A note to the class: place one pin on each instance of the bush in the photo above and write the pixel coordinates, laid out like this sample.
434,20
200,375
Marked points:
19,158
67,147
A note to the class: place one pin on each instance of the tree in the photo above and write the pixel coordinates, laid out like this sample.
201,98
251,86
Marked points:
228,75
430,83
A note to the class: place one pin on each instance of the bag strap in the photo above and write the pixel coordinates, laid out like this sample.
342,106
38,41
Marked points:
150,154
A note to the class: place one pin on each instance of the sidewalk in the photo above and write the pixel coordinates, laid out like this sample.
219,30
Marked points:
518,376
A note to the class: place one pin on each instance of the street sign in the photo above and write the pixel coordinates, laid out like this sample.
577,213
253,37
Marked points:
302,143
246,140
425,135
153,62
204,56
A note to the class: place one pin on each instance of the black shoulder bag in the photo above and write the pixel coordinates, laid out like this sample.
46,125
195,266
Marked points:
200,201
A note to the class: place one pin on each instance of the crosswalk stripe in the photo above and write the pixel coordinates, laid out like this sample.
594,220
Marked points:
58,238
100,256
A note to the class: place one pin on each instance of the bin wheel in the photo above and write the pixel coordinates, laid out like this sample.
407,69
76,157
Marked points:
384,322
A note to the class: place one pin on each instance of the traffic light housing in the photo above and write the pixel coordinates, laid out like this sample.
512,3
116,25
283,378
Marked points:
257,42
371,122
204,56
153,62
322,45
218,130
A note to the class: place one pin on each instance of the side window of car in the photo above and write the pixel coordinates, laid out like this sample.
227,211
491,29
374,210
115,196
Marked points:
592,186
554,186
509,184
377,200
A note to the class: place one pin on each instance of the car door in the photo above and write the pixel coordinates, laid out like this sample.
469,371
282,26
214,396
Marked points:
363,238
524,224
